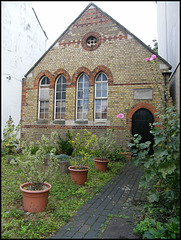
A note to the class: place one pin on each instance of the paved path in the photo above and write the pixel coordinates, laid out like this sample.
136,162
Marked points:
120,196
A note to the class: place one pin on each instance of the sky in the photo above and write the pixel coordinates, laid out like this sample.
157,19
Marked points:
139,17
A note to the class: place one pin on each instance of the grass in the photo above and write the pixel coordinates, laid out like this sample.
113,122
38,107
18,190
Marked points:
65,199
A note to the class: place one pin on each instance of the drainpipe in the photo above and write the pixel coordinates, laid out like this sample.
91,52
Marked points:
164,78
165,98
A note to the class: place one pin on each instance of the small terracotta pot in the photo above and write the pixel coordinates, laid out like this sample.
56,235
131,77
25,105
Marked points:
100,164
79,176
35,201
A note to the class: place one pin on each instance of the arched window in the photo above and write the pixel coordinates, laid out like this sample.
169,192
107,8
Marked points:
43,103
60,98
101,96
82,98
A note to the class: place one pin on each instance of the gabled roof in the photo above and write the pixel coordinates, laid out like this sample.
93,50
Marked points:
122,27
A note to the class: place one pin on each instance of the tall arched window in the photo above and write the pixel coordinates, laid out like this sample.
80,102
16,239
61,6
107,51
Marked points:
101,96
43,103
82,98
60,98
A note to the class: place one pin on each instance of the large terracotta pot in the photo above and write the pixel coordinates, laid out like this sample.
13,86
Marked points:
79,176
100,164
35,201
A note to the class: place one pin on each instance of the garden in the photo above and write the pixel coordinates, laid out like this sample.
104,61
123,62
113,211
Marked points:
37,163
65,196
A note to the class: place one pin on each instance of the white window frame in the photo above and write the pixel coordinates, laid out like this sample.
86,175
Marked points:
100,98
82,119
56,99
39,99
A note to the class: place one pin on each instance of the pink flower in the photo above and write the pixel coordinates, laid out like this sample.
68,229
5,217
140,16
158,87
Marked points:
147,59
121,115
153,57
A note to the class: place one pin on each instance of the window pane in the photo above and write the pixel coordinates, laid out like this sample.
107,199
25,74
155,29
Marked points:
86,94
62,115
80,86
101,109
98,93
104,86
98,115
104,77
63,95
64,87
45,81
44,94
60,97
104,115
104,93
82,97
98,78
59,87
98,86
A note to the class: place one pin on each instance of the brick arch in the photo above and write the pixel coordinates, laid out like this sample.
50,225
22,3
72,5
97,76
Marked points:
78,72
136,107
104,69
40,75
63,72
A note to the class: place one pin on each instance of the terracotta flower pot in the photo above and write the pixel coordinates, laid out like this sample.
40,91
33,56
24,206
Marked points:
35,201
79,176
100,164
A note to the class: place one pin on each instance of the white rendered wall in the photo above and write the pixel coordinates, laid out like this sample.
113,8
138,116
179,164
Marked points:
168,15
23,43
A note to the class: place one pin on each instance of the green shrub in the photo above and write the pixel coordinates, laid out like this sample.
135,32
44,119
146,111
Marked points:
10,142
65,146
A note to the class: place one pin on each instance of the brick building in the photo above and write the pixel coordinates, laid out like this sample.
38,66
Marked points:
95,70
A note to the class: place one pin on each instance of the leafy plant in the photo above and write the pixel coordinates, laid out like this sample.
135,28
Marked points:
161,172
10,141
34,166
82,144
65,199
104,145
64,145
116,154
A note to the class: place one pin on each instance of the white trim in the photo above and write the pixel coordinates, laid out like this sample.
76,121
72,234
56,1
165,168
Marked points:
44,86
82,119
59,76
100,98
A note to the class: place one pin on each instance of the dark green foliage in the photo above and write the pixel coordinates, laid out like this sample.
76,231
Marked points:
162,175
65,146
116,154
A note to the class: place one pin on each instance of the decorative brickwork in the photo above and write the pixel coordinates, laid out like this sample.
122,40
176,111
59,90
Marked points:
97,36
135,108
117,53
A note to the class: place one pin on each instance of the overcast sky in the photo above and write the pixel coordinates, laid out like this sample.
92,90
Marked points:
140,17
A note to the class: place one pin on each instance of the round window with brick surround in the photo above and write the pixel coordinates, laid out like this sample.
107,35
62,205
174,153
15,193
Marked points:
91,41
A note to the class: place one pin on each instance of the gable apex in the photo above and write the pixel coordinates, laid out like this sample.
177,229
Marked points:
82,17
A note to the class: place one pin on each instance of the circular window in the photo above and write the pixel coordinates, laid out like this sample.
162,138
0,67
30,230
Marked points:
91,41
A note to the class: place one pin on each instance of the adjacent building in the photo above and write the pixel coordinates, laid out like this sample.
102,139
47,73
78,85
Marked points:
168,17
23,43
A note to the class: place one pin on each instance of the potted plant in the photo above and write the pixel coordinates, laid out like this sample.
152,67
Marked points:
103,145
82,143
36,171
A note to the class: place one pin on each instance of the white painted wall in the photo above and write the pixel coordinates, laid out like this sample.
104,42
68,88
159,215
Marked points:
23,43
168,17
168,26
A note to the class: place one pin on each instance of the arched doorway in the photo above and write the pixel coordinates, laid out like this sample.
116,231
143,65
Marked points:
141,120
